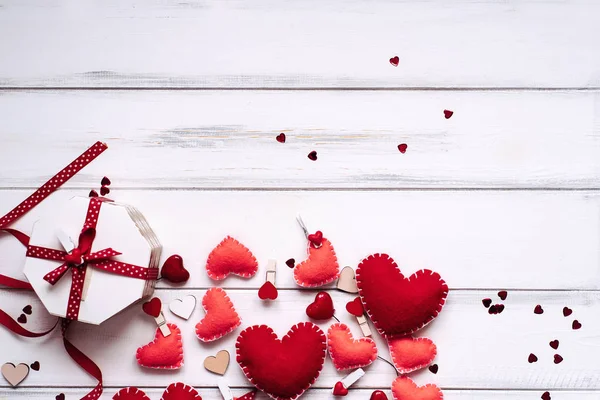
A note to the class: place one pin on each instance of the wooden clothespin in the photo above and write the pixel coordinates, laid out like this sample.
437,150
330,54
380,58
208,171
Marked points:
364,325
268,291
341,387
162,324
355,307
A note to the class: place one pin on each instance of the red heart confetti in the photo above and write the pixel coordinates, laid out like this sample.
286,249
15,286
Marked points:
316,238
546,396
267,291
312,155
434,368
321,308
496,309
557,359
60,396
27,310
532,358
538,309
93,193
355,307
576,325
104,190
153,307
402,148
503,294
554,344
291,263
174,271
499,308
280,138
22,319
567,311
105,181
35,366
395,61
448,114
378,395
339,389
486,302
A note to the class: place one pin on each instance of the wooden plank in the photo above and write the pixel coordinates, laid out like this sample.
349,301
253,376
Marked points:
309,44
475,350
474,239
227,139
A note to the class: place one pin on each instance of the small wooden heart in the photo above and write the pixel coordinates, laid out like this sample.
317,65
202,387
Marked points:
183,307
217,364
15,374
347,281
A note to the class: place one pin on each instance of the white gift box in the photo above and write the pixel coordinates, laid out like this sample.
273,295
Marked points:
120,227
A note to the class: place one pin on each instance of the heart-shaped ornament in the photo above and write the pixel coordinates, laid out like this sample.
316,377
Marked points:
355,307
130,393
217,364
183,308
378,395
316,239
403,388
321,308
175,391
347,281
231,257
320,268
398,306
220,319
14,374
163,352
282,368
152,307
410,354
174,271
347,352
339,389
267,291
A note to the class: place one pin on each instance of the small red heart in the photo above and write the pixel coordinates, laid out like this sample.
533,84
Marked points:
174,271
503,294
313,155
280,138
567,311
104,190
378,395
538,309
27,310
321,308
402,148
448,114
93,193
557,359
499,308
316,238
546,396
60,396
532,358
339,389
105,181
554,344
576,325
434,368
487,302
267,291
35,366
152,307
22,319
355,307
291,263
395,61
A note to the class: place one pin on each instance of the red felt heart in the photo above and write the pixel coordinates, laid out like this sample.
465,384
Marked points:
130,393
152,307
173,270
316,238
410,354
448,114
395,61
378,395
280,138
339,389
347,352
321,308
231,257
267,291
221,317
180,391
321,266
403,388
282,368
163,352
355,307
398,306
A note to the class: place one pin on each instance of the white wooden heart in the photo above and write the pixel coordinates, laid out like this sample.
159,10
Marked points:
347,280
183,308
15,374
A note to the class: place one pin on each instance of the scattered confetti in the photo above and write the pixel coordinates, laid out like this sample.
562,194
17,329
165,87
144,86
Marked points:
93,193
486,303
567,311
554,344
280,138
434,368
546,396
313,155
557,359
532,358
503,294
104,190
35,366
448,114
538,309
402,148
105,181
395,61
576,325
22,319
27,310
60,396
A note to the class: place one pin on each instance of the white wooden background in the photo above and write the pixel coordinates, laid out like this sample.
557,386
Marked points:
190,94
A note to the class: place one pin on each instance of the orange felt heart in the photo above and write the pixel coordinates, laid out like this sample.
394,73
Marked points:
230,257
403,388
321,266
163,352
220,319
410,354
347,352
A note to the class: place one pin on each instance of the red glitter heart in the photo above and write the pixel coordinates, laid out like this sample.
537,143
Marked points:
280,138
448,114
567,311
339,389
576,325
355,307
321,308
316,238
538,309
532,358
554,344
267,291
174,271
378,395
402,148
152,307
557,359
395,61
312,155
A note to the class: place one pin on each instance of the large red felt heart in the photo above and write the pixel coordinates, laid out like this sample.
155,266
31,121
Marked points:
403,388
163,352
152,307
320,268
347,352
220,319
410,354
398,306
175,391
231,257
285,368
174,271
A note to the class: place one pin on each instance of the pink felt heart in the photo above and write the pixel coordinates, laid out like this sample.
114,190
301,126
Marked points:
403,388
221,317
320,268
410,354
230,257
347,352
163,352
130,393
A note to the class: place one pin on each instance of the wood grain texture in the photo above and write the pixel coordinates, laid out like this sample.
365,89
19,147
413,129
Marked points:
475,349
227,139
474,239
269,43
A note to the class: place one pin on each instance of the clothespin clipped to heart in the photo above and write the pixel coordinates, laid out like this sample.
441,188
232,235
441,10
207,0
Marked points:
154,309
356,308
268,291
224,389
341,387
69,245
